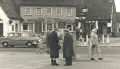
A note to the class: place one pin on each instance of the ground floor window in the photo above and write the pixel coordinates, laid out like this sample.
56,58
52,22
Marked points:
118,27
49,26
13,28
61,25
28,27
25,26
69,27
16,28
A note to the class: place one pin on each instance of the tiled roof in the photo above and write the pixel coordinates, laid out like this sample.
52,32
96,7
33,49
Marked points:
50,2
9,8
100,9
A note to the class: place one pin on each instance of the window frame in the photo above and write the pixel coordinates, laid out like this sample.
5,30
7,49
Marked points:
27,11
49,11
69,11
27,28
38,11
59,11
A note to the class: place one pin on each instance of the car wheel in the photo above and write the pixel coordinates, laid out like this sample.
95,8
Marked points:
5,44
29,44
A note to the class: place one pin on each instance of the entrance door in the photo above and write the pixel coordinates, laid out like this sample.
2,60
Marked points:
1,29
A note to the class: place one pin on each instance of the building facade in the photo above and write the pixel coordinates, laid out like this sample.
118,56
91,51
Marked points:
40,19
39,16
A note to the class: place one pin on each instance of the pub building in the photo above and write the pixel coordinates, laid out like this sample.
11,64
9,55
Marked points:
38,16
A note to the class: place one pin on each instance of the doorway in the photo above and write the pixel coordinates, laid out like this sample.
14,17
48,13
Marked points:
1,29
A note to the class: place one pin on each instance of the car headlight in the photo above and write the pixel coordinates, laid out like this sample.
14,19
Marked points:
39,40
34,42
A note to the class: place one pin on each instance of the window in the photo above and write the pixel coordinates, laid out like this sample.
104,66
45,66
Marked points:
61,25
58,12
28,27
31,27
69,27
13,28
48,11
118,27
25,26
16,27
69,11
49,26
38,11
28,11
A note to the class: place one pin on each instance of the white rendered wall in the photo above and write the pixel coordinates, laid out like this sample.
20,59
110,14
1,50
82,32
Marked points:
6,26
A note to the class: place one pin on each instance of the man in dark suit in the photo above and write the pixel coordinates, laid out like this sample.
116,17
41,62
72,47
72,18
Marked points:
68,48
54,46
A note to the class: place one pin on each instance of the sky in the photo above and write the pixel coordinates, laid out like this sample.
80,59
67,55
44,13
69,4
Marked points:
117,2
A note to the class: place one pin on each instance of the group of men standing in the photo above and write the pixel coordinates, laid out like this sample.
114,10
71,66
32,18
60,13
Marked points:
54,46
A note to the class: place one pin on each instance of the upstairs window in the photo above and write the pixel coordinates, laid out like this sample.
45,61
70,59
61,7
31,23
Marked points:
58,11
69,11
38,11
48,11
27,11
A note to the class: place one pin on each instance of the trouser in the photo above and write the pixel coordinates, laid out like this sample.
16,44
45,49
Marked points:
77,36
68,60
95,49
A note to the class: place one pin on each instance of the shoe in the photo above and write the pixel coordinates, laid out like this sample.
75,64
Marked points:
54,63
67,64
92,59
100,58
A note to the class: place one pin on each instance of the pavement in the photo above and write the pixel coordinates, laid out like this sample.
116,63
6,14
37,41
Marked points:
113,42
32,60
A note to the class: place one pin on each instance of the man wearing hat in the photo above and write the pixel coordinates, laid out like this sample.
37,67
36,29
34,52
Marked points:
68,48
94,45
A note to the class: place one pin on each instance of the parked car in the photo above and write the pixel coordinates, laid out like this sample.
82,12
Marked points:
20,40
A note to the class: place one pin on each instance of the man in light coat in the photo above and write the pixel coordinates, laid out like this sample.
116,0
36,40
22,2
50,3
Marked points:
94,45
